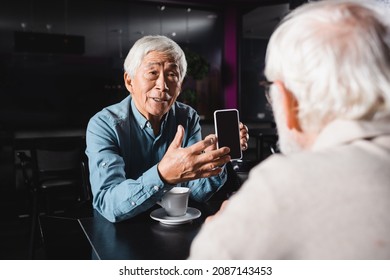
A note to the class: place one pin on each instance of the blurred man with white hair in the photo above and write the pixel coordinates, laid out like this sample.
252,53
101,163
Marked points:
328,195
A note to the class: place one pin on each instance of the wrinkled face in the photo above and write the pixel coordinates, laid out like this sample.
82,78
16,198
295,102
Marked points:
155,86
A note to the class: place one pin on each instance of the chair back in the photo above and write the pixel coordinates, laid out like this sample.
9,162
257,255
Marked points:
58,154
55,160
60,158
56,175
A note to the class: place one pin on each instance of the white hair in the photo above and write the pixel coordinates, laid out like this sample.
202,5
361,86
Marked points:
157,43
334,56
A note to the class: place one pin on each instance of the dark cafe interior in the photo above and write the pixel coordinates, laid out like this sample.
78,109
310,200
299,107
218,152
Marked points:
62,62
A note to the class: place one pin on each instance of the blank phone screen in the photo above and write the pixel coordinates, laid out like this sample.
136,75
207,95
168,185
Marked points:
228,131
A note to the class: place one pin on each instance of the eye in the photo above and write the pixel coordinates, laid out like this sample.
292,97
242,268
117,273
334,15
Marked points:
151,75
172,76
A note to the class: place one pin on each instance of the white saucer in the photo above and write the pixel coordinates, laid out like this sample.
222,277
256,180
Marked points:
161,216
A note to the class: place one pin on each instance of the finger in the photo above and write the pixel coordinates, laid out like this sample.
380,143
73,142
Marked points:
244,130
205,165
213,138
215,156
176,143
203,144
243,126
244,136
209,173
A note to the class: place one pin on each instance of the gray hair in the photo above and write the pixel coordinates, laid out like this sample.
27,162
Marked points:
157,43
334,56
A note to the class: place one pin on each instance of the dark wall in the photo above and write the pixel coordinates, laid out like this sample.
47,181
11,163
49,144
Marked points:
53,87
253,104
47,91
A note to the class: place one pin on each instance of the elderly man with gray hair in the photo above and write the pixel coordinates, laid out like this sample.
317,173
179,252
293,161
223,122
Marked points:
328,195
141,147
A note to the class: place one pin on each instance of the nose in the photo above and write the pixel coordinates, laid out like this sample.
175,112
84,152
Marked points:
161,84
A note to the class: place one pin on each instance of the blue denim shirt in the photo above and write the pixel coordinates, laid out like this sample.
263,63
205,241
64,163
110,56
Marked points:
123,154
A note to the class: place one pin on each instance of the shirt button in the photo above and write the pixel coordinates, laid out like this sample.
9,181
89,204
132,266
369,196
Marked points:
104,164
132,203
156,188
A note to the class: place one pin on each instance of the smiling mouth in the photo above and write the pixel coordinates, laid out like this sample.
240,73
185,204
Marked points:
159,100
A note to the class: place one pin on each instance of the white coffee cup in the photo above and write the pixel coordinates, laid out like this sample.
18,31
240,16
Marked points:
175,201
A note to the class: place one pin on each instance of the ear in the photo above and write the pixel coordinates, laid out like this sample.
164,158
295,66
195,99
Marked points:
128,83
290,107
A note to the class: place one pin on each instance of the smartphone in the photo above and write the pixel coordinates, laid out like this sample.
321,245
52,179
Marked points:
227,129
